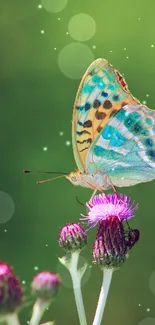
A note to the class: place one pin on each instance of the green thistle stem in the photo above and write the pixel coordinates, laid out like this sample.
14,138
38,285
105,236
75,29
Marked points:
107,276
76,279
38,311
12,319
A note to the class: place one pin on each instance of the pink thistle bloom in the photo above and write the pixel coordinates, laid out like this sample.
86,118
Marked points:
104,207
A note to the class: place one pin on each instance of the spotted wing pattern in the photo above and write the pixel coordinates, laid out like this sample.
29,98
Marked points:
102,92
125,148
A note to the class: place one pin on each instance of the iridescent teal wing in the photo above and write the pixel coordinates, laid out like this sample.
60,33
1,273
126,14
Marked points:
125,148
102,92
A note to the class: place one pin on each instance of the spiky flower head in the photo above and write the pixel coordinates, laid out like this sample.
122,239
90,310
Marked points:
45,285
112,242
11,292
102,207
72,237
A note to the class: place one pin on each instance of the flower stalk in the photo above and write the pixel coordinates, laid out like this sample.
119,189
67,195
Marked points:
107,276
76,279
38,310
12,319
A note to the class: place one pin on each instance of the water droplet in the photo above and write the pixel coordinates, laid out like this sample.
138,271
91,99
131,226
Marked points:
124,48
147,95
61,133
94,47
152,45
144,102
110,51
55,48
40,6
45,148
36,268
23,282
138,18
42,31
148,309
59,18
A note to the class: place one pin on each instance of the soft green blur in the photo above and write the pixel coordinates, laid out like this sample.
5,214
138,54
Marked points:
36,102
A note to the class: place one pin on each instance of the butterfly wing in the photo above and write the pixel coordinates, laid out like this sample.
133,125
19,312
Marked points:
102,92
125,148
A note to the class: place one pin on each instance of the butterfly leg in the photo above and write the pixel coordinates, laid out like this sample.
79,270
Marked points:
111,183
114,188
93,186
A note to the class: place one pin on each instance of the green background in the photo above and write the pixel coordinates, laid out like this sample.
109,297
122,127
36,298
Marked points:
36,101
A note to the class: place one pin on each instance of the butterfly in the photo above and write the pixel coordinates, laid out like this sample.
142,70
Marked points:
113,134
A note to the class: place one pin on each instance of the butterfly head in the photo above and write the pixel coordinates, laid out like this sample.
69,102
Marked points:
76,178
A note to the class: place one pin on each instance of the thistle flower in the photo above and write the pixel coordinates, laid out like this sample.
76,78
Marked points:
45,285
72,237
110,249
11,292
103,207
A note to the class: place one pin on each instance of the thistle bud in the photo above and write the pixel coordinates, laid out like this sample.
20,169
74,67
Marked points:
72,237
11,292
45,285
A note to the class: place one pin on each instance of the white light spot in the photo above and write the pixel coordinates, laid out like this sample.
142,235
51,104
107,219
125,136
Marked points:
61,133
36,268
54,5
42,31
59,18
122,177
124,48
68,143
113,169
82,27
7,207
5,230
46,245
139,305
45,148
23,282
67,33
110,51
47,308
94,47
74,59
152,45
144,102
55,48
40,6
138,18
127,57
147,95
148,309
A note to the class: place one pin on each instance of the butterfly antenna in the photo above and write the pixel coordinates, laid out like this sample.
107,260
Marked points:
42,172
50,179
